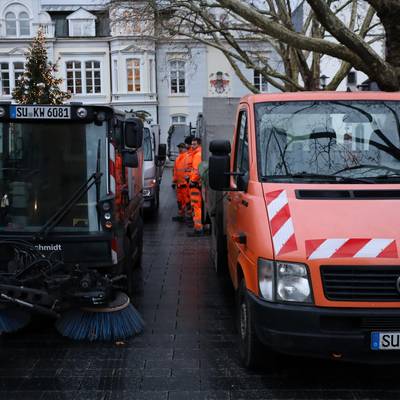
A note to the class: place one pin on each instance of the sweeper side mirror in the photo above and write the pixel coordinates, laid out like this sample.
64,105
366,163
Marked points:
219,165
130,159
133,133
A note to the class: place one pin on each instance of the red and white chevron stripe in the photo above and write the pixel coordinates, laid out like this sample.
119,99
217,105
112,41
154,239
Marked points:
281,222
111,166
351,248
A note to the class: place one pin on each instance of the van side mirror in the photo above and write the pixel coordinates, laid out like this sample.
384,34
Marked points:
133,133
130,159
219,165
161,156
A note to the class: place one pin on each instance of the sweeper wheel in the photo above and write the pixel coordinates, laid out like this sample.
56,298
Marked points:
119,320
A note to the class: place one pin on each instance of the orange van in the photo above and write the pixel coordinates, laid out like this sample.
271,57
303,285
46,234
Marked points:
312,223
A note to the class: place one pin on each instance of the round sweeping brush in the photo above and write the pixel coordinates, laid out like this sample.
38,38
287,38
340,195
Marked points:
13,318
118,321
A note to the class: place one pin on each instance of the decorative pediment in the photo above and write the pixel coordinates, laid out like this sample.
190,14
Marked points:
133,49
17,51
81,13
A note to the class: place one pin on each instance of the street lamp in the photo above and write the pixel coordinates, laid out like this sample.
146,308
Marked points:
322,80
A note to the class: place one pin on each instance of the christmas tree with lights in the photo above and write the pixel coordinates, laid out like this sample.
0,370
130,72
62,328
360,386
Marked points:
37,85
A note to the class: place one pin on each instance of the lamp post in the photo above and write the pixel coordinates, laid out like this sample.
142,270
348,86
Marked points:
322,81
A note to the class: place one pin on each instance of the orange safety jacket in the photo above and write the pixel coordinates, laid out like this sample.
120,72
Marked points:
195,174
180,169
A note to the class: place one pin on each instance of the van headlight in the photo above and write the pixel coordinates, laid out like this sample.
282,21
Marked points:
292,283
146,192
283,281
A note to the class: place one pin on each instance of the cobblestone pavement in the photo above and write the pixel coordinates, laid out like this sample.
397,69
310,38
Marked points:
188,350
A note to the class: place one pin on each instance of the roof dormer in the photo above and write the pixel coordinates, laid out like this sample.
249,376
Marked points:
82,23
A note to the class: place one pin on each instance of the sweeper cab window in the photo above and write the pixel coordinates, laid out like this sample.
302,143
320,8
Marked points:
46,154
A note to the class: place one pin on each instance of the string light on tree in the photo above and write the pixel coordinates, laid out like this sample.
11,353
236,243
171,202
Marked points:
38,85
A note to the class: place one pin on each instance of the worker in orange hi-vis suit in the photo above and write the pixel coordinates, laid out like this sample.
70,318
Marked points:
195,188
188,166
180,183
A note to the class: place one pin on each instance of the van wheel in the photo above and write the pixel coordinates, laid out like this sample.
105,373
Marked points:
251,349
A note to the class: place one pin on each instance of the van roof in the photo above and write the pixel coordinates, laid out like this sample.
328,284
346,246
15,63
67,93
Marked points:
320,95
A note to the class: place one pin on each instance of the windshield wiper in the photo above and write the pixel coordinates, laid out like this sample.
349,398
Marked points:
385,177
319,177
56,218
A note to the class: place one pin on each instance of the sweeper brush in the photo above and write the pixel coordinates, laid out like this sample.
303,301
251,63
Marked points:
118,321
13,319
87,304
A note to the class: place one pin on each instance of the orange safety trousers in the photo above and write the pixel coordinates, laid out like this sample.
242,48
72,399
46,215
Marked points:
195,200
183,199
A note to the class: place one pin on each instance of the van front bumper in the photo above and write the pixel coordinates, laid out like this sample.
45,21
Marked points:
341,334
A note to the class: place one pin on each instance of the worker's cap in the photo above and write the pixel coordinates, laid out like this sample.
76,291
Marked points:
188,139
181,145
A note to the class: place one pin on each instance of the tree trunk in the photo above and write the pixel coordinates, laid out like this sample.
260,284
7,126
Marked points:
390,21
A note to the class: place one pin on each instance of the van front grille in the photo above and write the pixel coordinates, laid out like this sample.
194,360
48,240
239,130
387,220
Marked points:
361,283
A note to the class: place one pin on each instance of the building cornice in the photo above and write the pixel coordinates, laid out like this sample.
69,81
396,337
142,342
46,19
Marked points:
82,53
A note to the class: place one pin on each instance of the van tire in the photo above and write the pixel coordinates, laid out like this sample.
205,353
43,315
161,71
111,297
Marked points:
155,205
251,349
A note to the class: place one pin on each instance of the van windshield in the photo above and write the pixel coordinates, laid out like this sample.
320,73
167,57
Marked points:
41,166
329,141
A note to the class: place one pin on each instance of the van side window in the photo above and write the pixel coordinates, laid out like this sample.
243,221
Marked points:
242,145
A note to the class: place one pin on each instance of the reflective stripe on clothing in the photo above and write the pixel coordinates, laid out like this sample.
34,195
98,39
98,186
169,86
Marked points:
195,174
195,200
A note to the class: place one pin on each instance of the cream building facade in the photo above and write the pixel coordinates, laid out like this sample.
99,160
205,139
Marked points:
105,60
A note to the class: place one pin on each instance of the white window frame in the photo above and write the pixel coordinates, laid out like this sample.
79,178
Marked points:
260,82
92,69
134,67
181,119
75,70
17,71
21,20
3,73
12,20
83,70
13,74
82,27
17,10
179,70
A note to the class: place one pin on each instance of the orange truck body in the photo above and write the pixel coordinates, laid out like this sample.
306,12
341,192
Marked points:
345,235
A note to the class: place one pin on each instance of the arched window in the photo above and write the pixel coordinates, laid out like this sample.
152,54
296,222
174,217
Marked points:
11,24
23,21
17,21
